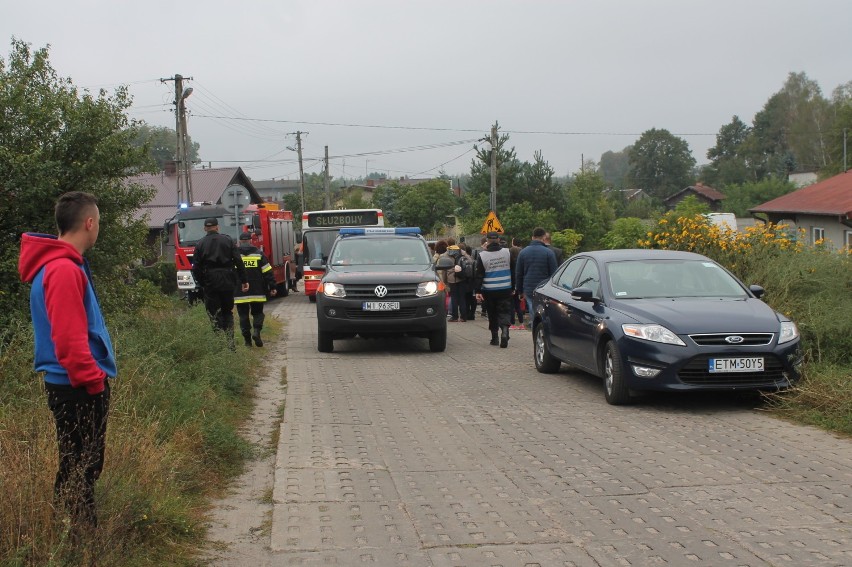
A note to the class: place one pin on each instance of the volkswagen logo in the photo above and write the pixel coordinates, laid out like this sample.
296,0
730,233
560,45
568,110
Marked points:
733,339
382,291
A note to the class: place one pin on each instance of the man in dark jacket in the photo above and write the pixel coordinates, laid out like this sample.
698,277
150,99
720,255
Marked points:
217,267
250,302
556,251
536,262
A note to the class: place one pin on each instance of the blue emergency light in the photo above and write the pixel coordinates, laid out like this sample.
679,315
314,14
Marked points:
379,230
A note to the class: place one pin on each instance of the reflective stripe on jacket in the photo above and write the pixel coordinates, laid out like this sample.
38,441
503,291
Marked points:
259,275
498,271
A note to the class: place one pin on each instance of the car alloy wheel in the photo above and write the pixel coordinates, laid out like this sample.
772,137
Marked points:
615,389
545,362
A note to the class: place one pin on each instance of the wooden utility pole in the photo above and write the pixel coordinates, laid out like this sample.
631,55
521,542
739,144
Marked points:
327,200
301,169
181,161
494,168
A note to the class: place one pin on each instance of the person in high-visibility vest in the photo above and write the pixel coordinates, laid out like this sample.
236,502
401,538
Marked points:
250,302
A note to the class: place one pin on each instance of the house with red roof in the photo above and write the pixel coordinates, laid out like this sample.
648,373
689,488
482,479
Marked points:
704,193
208,186
823,210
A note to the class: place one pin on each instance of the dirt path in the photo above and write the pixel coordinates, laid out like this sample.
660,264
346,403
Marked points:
240,522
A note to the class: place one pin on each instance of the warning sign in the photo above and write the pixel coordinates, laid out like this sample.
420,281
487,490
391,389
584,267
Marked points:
492,224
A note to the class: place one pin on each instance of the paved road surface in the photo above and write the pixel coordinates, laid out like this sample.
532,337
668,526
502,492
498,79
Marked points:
392,455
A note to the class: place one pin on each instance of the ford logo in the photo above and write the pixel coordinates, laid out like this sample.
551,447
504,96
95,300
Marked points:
382,291
734,339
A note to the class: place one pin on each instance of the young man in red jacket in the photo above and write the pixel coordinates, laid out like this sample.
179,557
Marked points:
72,348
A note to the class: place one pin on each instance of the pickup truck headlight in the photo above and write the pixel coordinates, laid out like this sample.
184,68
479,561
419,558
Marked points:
426,289
331,289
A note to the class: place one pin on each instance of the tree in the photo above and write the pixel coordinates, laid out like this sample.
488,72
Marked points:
841,104
161,144
727,163
742,197
625,233
519,219
589,212
691,206
661,163
615,167
427,204
791,132
540,188
55,139
510,185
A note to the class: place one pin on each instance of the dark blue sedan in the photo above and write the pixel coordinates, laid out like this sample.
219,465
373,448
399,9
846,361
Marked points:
661,320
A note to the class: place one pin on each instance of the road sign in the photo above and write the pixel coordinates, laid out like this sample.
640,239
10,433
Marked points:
492,224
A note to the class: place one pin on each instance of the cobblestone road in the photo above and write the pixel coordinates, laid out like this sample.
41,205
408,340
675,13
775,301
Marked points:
392,455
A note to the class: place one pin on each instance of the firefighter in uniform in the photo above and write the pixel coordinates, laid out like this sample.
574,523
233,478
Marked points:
260,279
494,287
217,267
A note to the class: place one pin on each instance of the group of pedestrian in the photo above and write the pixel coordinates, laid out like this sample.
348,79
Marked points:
230,275
502,279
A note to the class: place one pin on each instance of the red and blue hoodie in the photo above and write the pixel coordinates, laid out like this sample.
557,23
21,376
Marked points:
72,344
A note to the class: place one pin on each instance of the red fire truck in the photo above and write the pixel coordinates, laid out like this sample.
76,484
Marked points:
271,229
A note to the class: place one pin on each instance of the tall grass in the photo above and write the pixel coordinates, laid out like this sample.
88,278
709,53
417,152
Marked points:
172,439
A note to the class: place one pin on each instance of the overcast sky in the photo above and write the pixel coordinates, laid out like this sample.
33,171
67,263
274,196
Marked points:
405,87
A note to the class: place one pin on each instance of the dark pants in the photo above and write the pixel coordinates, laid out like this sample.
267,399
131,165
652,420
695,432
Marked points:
255,308
220,307
517,310
458,302
470,300
81,422
499,307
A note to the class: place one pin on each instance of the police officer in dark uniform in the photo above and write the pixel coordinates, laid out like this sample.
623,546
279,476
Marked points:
250,303
217,267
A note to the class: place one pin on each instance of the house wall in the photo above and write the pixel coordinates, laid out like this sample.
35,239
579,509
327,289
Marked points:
835,233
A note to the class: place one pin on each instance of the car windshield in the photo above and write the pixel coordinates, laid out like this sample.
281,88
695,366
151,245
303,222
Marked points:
644,279
380,251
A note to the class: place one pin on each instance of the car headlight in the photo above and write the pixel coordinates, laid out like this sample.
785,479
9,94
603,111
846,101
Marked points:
426,289
655,333
331,289
789,332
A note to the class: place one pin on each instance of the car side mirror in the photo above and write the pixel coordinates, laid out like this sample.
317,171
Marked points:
317,264
583,294
444,263
757,290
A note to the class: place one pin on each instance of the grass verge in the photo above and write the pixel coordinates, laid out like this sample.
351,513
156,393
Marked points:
172,443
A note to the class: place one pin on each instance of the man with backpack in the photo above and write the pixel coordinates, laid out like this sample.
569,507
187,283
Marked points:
458,280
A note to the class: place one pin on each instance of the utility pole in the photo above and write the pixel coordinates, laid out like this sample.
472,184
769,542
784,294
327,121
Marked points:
301,170
844,151
494,168
326,183
184,181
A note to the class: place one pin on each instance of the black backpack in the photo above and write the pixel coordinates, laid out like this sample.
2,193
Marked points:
467,266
